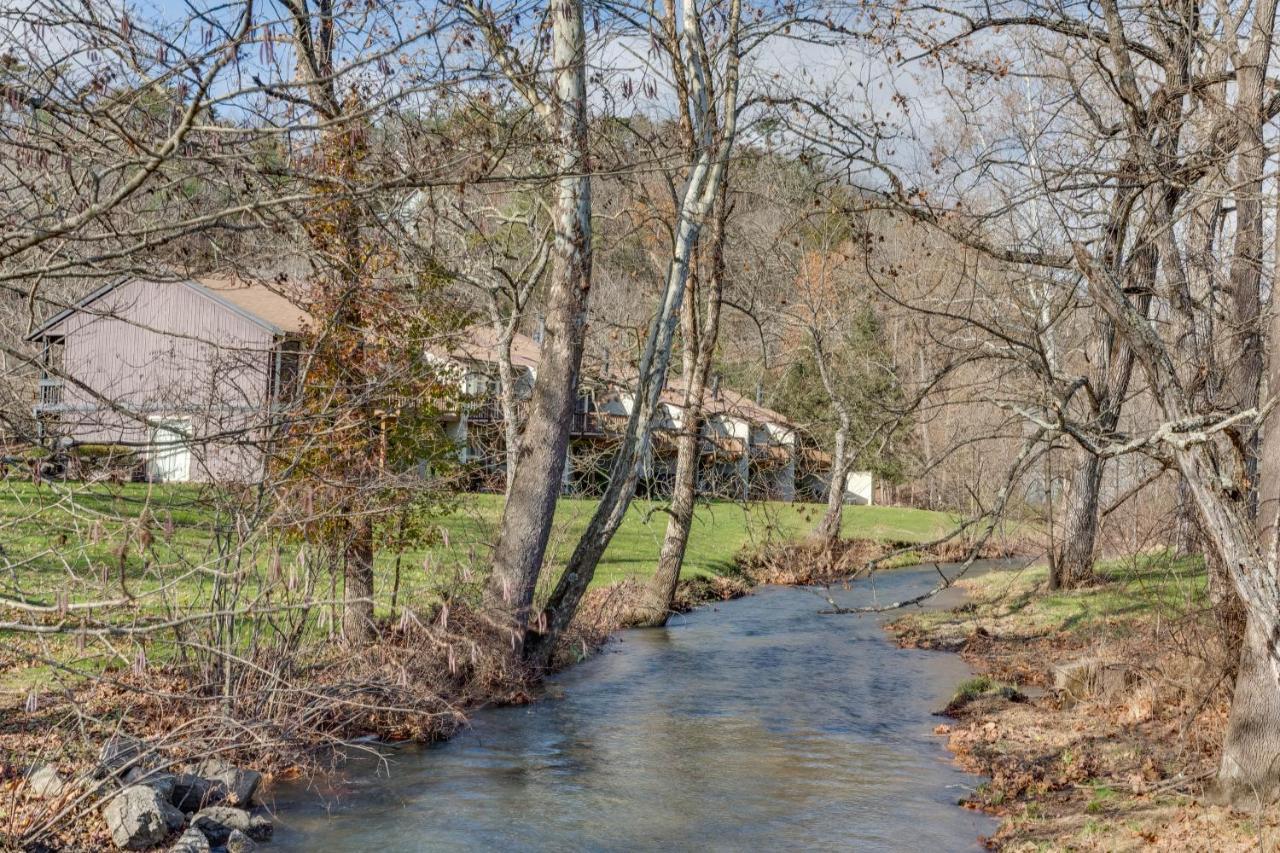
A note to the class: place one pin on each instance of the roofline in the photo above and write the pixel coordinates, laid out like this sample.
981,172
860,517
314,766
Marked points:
191,284
82,303
231,306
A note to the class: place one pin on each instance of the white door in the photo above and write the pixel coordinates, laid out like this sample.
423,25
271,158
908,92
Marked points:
171,450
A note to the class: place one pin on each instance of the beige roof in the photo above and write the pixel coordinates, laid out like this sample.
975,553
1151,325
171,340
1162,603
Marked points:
725,402
265,302
479,343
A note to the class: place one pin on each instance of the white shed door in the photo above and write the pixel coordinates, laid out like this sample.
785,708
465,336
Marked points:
171,450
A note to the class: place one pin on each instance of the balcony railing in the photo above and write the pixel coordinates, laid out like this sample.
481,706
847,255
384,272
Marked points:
581,423
483,410
50,394
586,423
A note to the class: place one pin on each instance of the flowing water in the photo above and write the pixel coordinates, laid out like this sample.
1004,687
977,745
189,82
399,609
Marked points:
756,724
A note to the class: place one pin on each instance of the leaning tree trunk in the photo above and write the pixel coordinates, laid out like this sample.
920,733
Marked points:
1249,775
535,486
1250,769
654,606
701,190
1073,563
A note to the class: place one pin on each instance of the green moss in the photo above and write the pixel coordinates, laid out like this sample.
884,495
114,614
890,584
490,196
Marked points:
973,688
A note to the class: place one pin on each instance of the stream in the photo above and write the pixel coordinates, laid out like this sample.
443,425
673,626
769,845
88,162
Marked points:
754,724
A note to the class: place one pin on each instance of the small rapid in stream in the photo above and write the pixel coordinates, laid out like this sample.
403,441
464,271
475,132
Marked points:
756,724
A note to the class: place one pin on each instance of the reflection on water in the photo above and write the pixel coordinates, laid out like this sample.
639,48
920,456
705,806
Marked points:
754,725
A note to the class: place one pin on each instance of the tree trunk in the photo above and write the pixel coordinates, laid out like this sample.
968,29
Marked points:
357,605
535,485
1073,564
1249,775
702,188
1186,532
1250,768
828,529
655,602
507,399
654,606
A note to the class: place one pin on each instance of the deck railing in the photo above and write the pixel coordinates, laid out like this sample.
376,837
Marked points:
50,393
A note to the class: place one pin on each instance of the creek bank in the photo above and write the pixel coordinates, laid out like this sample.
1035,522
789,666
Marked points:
1097,714
164,815
780,724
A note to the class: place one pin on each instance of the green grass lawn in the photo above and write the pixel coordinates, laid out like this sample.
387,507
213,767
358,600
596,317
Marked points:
720,529
167,548
1135,591
70,538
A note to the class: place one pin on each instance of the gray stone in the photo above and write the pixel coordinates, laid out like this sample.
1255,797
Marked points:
44,782
238,842
192,841
161,781
138,818
217,822
241,785
192,792
120,753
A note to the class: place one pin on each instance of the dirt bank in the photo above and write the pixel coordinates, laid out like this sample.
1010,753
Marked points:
1098,714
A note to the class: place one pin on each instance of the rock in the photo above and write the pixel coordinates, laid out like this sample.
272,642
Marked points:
1089,678
241,785
120,753
138,818
238,842
192,792
218,822
192,841
44,782
162,782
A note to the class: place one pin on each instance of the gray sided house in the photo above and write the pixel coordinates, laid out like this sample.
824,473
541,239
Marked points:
184,372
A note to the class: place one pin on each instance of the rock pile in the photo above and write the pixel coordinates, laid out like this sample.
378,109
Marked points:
210,803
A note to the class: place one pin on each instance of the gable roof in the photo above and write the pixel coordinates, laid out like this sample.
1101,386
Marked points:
479,343
258,302
254,301
725,401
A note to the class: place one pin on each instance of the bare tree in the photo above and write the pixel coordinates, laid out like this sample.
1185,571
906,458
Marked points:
531,501
713,116
1146,87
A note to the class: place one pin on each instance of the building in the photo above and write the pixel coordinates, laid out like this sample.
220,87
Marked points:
747,451
477,428
183,372
188,373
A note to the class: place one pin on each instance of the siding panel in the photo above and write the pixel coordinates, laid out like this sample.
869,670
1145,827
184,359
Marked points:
162,349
